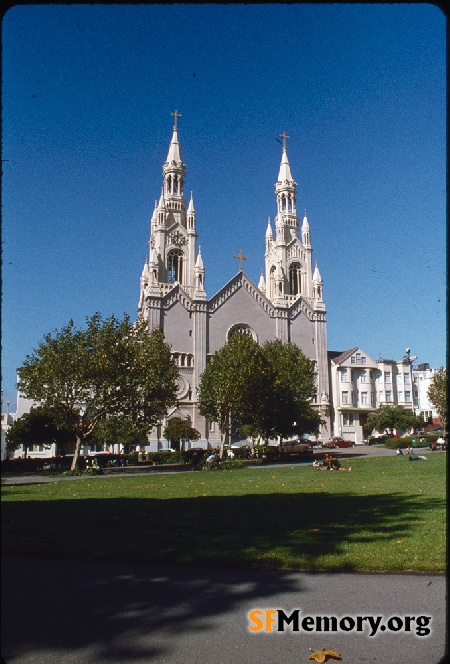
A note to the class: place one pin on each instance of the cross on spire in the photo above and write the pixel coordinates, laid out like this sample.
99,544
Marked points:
241,258
176,116
284,136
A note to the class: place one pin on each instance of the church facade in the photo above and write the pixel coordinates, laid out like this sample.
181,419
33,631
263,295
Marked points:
287,303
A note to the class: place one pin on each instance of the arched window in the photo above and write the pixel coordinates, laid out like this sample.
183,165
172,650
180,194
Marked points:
242,328
295,279
174,266
272,281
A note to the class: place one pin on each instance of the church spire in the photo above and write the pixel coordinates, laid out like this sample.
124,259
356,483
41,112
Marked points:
174,169
286,191
285,174
306,236
317,284
174,154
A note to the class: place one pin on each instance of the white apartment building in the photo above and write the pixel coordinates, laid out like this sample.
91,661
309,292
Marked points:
359,385
422,377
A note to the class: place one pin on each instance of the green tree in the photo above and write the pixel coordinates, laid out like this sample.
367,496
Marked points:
38,427
178,431
120,431
292,393
387,418
437,394
113,368
235,384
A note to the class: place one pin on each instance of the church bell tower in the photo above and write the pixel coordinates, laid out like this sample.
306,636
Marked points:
172,257
288,257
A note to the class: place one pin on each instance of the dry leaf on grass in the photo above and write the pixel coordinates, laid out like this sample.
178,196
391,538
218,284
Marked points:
324,655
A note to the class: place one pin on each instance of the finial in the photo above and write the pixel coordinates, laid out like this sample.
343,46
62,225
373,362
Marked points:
176,116
284,136
241,258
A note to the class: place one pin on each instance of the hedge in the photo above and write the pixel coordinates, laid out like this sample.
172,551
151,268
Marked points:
419,441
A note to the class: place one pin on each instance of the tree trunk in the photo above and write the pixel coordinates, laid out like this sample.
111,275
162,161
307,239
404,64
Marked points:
76,456
223,439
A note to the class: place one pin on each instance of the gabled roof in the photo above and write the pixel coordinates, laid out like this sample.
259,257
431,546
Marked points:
343,355
240,280
342,358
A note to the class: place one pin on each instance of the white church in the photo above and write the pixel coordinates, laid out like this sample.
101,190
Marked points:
287,303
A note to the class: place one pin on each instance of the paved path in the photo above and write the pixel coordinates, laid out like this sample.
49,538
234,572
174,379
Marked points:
354,452
57,612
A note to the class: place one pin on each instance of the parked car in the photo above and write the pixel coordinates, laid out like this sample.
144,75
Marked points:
377,440
166,449
296,447
337,441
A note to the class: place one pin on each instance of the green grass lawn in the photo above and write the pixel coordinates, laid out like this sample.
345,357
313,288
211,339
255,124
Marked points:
387,514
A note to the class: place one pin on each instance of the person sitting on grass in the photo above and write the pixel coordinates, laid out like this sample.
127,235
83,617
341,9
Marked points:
336,465
211,461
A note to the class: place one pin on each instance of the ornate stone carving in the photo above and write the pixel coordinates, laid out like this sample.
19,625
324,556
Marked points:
177,239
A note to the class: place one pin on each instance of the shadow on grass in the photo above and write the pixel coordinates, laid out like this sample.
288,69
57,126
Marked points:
251,531
126,611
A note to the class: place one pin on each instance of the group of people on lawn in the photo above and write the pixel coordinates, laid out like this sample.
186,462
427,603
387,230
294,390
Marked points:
329,463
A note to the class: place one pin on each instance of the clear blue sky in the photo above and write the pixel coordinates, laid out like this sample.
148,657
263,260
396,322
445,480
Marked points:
360,89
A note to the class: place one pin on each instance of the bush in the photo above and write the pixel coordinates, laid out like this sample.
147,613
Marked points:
23,465
78,472
393,443
231,464
165,457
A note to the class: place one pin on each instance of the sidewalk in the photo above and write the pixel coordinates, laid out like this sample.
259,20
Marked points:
89,613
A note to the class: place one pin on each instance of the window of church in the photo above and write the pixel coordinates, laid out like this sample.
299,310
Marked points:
295,277
242,328
272,282
174,266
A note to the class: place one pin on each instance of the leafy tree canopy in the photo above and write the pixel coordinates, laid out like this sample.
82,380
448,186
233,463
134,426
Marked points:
121,430
388,418
236,383
293,391
112,368
437,394
37,427
178,430
265,390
